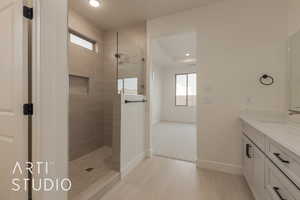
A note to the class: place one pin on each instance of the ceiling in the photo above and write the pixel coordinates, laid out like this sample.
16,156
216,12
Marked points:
113,14
170,51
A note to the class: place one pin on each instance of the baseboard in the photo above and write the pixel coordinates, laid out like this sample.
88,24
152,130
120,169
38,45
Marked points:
155,122
218,166
174,158
149,153
132,164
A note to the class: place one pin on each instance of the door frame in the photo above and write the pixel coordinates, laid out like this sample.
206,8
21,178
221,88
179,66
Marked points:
149,89
50,91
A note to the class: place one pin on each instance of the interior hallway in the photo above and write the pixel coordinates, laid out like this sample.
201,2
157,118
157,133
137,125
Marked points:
175,140
160,179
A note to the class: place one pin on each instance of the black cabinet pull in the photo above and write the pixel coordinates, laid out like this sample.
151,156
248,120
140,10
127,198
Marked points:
281,159
276,189
248,146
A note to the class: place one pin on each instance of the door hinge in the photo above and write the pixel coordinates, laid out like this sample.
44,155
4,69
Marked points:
28,109
28,12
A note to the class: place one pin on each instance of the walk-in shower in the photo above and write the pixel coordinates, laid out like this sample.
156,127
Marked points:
103,66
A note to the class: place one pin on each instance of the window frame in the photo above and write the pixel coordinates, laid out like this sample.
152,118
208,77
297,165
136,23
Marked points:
187,89
83,37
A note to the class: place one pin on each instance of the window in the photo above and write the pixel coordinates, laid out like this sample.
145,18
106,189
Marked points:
128,86
186,89
181,90
81,41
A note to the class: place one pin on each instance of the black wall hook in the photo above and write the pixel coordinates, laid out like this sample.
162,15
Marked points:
266,79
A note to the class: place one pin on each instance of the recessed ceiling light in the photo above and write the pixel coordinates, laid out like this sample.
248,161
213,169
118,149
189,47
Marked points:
187,54
94,3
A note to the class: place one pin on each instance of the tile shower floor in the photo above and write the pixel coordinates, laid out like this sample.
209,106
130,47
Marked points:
91,173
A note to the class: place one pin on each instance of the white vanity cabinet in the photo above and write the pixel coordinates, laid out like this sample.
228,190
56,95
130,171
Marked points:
248,161
277,185
285,160
253,168
272,171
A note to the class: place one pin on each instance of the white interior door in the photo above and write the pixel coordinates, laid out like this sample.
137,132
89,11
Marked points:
13,94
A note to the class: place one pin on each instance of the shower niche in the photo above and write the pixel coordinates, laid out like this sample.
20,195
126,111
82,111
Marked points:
79,85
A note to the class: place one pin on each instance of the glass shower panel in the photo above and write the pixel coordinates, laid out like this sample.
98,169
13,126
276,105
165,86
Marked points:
131,58
131,86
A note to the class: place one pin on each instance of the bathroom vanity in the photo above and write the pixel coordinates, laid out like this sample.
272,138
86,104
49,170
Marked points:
271,145
271,159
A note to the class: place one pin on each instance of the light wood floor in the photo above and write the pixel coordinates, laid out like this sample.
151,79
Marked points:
175,140
165,179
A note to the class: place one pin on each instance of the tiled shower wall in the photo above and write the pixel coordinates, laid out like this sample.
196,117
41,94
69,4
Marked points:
131,43
85,109
109,82
132,48
93,82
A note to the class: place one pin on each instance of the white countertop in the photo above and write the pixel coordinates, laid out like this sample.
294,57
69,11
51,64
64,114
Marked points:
284,133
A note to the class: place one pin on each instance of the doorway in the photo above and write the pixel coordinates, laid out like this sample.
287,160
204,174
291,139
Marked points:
173,95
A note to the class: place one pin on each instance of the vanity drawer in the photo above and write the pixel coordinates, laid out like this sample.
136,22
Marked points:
286,161
277,186
254,135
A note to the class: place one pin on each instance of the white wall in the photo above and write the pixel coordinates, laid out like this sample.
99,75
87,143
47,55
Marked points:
293,14
237,41
170,112
156,82
50,92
